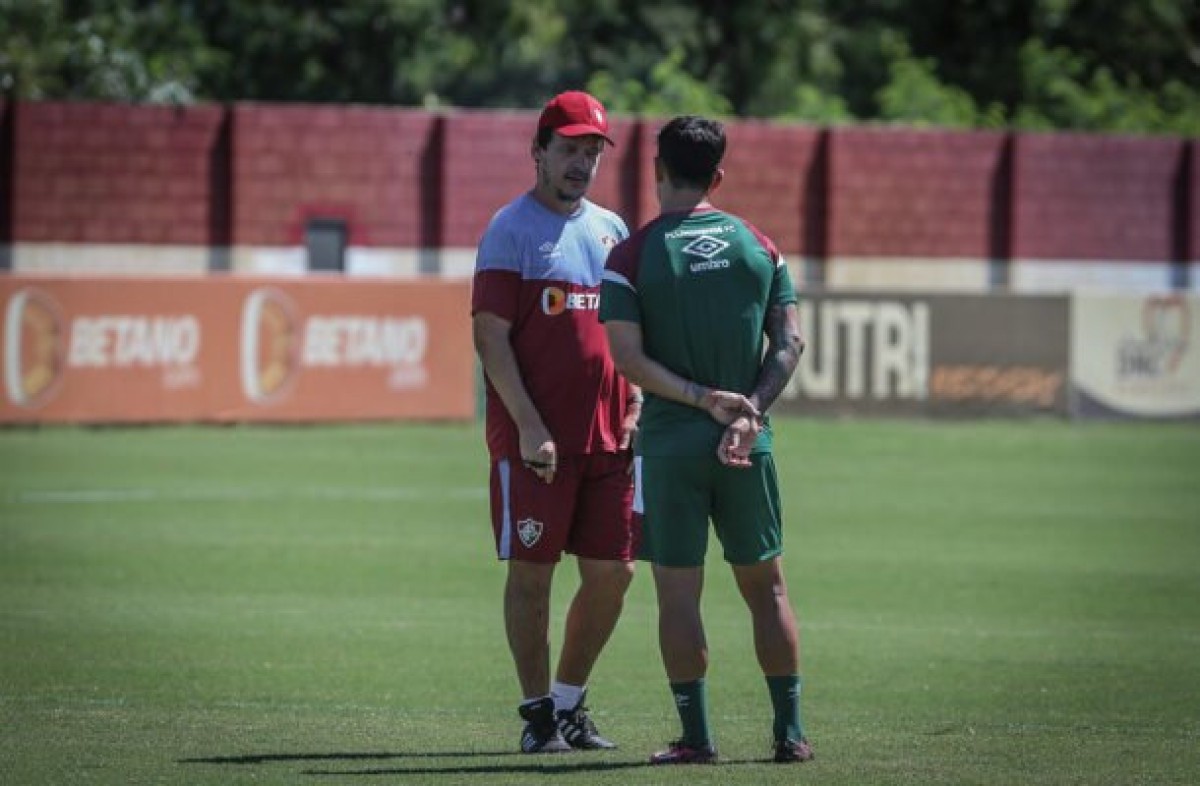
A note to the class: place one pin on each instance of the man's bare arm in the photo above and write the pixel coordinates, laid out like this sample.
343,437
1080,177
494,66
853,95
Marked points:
625,343
492,344
785,344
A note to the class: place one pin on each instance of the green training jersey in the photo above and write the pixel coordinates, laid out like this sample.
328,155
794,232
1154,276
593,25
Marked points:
700,285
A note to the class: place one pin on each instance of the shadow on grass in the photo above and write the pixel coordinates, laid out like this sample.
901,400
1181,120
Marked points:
545,765
489,769
266,758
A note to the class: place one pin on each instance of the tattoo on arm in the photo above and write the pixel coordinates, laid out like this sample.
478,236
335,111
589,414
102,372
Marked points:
784,346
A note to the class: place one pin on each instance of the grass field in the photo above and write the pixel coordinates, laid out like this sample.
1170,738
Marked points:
983,603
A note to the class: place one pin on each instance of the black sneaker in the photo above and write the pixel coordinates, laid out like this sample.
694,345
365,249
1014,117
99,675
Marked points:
793,751
541,734
577,728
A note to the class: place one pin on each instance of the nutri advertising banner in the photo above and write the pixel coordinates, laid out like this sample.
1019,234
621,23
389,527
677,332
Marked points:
226,349
940,355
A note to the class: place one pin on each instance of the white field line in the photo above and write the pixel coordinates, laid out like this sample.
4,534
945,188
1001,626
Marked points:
235,494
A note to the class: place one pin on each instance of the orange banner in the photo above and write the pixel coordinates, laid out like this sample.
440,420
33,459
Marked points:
91,350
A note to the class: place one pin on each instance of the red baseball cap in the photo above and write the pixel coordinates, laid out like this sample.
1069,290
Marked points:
575,113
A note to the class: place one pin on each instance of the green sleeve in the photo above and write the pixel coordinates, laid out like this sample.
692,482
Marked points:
782,289
619,303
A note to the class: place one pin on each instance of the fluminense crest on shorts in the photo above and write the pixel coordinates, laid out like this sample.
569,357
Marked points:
529,531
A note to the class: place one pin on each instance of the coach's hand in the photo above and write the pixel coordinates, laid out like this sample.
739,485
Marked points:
629,425
539,454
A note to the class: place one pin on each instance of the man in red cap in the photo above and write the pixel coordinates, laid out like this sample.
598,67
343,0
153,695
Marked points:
559,419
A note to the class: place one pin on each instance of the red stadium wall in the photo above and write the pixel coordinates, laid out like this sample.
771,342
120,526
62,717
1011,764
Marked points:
924,204
485,164
1189,209
913,193
1103,209
372,169
6,182
114,175
1094,197
368,167
774,177
102,188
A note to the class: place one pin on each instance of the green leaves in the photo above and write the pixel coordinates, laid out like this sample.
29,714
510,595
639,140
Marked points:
118,51
1130,67
671,90
1063,92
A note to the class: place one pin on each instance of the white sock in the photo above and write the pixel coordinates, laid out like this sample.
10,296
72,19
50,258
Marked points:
566,697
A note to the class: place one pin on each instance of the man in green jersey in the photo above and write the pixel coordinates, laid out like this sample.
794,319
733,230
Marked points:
701,314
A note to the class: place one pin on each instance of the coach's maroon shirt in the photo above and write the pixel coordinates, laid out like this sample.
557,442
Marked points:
541,271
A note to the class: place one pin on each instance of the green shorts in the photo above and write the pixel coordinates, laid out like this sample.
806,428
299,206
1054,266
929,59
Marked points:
678,495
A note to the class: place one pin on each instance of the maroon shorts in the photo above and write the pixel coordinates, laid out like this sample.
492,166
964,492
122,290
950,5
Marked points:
586,511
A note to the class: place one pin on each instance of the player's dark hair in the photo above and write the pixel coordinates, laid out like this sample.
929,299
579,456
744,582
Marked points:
690,149
544,135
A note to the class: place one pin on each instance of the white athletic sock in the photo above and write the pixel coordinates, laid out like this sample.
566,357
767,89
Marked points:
566,697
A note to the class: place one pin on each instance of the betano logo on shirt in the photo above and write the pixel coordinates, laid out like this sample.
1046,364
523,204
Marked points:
555,301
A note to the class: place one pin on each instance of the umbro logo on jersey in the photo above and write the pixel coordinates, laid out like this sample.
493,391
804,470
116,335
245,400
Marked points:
549,250
705,246
708,264
529,531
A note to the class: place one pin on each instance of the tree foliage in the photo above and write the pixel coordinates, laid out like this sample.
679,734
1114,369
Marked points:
1034,64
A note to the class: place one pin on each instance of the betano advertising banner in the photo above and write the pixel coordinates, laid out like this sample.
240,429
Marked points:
1136,356
931,355
231,349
